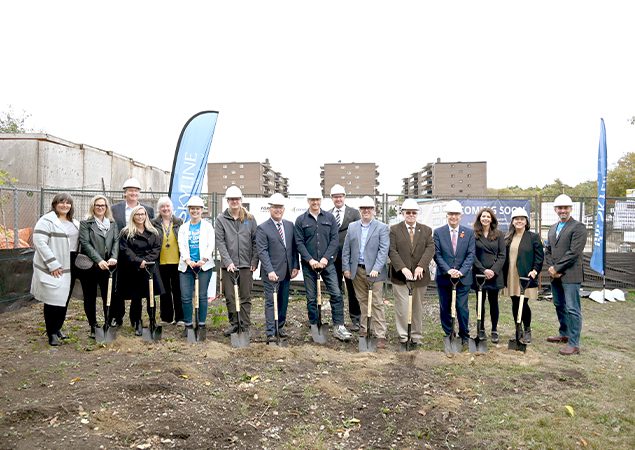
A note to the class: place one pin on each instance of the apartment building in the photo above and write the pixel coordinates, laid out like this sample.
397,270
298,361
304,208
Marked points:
253,178
447,179
357,178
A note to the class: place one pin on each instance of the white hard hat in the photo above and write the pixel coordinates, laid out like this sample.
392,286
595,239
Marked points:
410,204
366,202
454,206
195,200
618,295
562,200
316,193
338,189
520,212
277,199
597,296
233,192
131,183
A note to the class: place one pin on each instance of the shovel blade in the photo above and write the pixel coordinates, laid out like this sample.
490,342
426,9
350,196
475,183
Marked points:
318,333
202,334
477,345
191,335
407,346
240,339
452,344
156,333
277,341
146,334
367,344
517,345
100,335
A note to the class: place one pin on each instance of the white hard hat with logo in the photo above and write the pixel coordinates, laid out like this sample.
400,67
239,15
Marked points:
315,193
338,189
366,202
562,200
195,200
131,183
277,199
520,212
233,192
454,206
410,204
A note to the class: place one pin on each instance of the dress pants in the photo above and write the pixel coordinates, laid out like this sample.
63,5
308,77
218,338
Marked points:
378,317
400,292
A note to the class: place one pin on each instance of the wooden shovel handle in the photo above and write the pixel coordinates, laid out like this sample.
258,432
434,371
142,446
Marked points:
409,309
236,298
519,316
151,292
479,303
109,293
453,303
275,305
196,299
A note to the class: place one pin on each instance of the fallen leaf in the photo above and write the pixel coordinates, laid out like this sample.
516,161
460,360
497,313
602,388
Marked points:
75,380
184,376
422,412
570,410
583,442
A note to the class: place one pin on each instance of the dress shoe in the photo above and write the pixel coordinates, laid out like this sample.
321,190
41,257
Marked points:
381,343
568,350
527,337
558,339
282,333
54,341
494,337
92,332
61,335
354,327
138,329
230,330
481,335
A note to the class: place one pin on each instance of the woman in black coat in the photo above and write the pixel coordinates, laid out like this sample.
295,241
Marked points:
489,261
99,240
139,243
525,255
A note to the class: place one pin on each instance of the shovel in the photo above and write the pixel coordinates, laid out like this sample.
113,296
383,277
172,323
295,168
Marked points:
479,343
196,334
409,344
107,334
368,343
519,343
239,339
278,341
154,332
452,343
318,331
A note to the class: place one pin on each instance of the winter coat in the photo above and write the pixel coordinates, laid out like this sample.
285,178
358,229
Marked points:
490,255
530,257
236,241
132,280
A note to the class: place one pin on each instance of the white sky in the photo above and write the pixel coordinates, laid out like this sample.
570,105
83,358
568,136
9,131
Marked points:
521,85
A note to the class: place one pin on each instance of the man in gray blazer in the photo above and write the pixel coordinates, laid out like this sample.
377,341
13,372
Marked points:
563,252
364,258
121,211
279,262
345,215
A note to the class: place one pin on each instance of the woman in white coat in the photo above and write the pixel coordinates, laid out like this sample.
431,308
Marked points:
196,247
55,235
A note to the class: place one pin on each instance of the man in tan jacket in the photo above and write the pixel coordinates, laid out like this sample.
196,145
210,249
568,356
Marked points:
411,250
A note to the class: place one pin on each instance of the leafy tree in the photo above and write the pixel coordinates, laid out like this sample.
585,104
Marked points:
622,177
11,122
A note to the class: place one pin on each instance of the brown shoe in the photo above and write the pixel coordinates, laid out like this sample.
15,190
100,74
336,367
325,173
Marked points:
568,350
381,343
558,339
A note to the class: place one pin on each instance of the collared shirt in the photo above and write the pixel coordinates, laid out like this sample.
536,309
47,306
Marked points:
363,239
316,238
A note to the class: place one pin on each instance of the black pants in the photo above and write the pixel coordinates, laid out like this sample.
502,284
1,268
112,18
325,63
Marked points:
135,310
492,297
245,283
171,306
90,279
54,318
75,274
354,312
526,318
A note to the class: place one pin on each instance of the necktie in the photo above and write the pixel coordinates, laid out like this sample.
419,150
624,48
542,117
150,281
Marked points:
411,231
454,241
281,232
338,217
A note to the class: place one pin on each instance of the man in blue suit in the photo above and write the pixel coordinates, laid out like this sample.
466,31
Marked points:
364,258
454,256
279,262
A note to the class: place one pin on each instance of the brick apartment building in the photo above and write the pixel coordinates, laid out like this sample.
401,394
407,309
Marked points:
253,178
447,179
357,178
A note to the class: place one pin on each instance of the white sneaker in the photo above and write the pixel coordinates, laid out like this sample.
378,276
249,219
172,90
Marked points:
340,332
180,323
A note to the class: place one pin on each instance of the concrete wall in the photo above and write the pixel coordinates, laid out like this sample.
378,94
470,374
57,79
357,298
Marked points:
41,160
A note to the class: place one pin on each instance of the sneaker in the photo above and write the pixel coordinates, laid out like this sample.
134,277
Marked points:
340,332
180,323
354,327
230,330
495,337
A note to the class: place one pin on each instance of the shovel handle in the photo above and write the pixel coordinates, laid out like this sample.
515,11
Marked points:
479,303
151,292
236,298
109,293
275,305
453,308
196,300
519,316
410,309
370,303
319,291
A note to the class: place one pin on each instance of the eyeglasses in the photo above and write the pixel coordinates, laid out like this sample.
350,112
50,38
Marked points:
413,213
100,206
140,214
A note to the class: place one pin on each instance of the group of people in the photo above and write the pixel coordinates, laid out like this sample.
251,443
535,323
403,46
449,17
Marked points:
343,245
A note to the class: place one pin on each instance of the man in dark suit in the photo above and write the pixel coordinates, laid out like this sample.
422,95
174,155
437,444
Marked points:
345,215
563,252
411,250
454,256
279,262
121,211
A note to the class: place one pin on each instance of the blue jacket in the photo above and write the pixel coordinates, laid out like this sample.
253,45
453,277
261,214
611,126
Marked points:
317,239
375,249
446,259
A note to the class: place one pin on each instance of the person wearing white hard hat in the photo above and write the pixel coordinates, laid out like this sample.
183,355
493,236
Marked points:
196,248
121,211
565,244
345,215
316,235
411,250
236,243
279,263
454,255
364,259
524,257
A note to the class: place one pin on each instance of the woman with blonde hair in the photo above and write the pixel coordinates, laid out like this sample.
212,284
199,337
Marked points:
99,239
139,244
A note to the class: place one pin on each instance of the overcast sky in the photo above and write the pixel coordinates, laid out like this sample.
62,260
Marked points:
522,85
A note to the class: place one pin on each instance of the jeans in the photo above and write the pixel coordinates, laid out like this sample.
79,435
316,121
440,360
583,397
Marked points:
187,293
329,277
566,299
283,303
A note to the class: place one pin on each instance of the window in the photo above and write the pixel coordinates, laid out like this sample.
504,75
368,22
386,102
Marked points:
469,175
242,166
224,166
233,172
451,175
242,186
357,167
225,186
460,181
225,177
469,185
469,165
242,176
451,185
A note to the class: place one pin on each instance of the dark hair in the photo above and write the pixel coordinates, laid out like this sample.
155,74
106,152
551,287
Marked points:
512,230
59,198
493,227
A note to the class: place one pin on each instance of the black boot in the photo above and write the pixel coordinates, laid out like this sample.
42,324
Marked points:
92,332
527,336
54,340
60,334
138,328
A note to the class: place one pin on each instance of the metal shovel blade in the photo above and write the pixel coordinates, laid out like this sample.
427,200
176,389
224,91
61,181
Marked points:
146,334
477,345
240,339
318,333
452,344
105,334
202,334
156,333
407,346
192,335
367,344
517,344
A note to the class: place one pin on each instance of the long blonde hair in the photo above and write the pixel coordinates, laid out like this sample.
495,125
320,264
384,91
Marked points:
130,229
91,211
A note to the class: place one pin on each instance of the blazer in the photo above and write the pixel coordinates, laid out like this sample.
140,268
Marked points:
411,255
375,251
490,255
94,244
274,255
446,259
530,257
564,252
119,213
350,216
205,245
